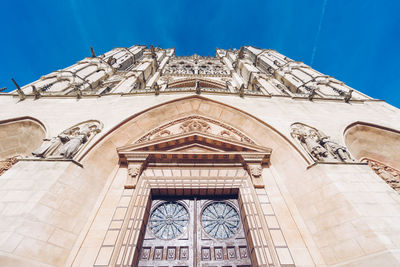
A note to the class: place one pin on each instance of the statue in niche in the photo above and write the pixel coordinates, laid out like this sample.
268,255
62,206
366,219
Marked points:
310,141
68,143
48,146
318,145
338,151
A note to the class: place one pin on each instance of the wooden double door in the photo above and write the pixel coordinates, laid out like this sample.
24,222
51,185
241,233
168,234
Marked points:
194,232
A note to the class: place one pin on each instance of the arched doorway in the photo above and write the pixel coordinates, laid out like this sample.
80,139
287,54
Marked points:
237,133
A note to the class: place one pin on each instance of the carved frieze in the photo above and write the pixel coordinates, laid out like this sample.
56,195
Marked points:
196,124
319,146
68,143
7,164
390,175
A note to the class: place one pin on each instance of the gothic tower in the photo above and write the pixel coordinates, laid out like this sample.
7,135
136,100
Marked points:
139,157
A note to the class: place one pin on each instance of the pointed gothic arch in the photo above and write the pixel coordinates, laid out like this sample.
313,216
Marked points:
375,142
135,126
20,136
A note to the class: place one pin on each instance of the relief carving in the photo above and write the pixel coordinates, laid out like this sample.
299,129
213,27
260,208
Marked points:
67,144
7,164
134,171
318,145
196,123
390,175
163,133
255,171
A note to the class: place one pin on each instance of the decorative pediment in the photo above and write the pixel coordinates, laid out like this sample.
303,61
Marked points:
196,123
191,141
196,145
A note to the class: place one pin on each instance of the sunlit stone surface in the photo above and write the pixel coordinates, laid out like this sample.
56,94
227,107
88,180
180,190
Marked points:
278,149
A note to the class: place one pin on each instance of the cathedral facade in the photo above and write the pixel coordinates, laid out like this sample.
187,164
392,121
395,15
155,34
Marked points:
139,157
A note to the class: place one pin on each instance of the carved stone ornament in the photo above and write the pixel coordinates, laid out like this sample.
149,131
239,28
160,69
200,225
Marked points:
319,146
195,65
68,143
7,164
256,171
134,171
390,175
196,123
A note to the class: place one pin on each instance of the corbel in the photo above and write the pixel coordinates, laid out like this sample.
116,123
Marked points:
255,171
254,165
134,171
136,164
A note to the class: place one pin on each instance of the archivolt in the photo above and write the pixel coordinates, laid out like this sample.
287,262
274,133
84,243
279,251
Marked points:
136,126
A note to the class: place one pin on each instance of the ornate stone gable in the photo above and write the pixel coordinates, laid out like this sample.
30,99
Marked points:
196,123
193,144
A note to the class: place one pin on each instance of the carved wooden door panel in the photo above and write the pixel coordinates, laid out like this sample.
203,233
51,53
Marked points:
221,241
168,240
194,232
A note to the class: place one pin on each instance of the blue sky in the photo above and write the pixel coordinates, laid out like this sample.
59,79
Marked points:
355,41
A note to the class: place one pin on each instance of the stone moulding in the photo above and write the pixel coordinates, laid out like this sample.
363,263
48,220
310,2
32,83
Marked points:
194,147
214,127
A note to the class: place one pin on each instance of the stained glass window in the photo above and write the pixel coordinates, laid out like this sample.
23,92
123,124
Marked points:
220,220
169,220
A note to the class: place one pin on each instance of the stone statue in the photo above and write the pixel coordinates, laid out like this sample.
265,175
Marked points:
74,140
318,145
338,151
68,143
310,140
48,146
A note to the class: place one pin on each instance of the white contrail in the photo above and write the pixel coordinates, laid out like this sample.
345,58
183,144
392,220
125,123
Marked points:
314,51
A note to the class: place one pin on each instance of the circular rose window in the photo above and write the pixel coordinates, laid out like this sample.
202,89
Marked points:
168,220
220,220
